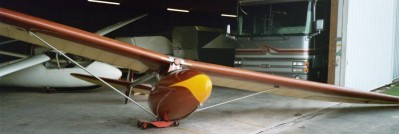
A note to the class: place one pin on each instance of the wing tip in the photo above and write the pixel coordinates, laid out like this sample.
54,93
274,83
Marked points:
390,89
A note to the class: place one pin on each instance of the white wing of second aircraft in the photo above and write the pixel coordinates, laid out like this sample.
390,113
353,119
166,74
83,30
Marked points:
22,64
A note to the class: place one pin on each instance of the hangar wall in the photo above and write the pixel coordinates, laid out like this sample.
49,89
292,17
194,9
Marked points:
368,43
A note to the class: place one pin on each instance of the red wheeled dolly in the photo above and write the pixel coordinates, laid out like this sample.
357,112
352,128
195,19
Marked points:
143,124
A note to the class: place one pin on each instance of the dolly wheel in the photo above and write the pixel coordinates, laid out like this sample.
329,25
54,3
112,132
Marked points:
144,126
139,124
176,123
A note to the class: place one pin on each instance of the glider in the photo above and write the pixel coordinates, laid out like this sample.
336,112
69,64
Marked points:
183,84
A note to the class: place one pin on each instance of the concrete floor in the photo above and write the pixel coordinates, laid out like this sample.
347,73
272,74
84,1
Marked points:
102,110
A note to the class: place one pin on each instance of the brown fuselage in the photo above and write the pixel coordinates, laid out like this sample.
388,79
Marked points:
171,100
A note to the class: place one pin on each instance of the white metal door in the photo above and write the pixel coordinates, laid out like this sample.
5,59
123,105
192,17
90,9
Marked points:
396,48
368,40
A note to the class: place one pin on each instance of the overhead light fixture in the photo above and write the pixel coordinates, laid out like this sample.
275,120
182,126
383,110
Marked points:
177,10
104,2
228,15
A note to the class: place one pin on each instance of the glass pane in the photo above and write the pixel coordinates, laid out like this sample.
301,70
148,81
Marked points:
281,18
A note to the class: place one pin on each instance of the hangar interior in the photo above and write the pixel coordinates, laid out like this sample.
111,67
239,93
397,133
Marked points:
360,51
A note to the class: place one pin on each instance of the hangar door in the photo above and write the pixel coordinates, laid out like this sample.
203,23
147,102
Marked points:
368,30
396,49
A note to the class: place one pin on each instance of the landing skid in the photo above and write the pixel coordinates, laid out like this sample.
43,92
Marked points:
49,90
143,124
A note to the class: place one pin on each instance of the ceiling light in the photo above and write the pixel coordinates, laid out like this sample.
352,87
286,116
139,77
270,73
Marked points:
228,15
104,2
177,10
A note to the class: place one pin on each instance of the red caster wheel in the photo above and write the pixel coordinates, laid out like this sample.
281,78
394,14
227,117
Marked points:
139,123
144,126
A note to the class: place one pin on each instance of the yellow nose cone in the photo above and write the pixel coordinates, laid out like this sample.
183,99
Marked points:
200,86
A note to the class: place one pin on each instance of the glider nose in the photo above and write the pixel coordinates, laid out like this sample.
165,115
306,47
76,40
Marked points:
200,85
177,95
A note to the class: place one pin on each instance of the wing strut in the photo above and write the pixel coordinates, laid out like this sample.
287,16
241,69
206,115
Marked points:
13,54
76,63
236,99
9,41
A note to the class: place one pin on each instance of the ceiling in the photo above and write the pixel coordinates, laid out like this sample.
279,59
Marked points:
94,16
